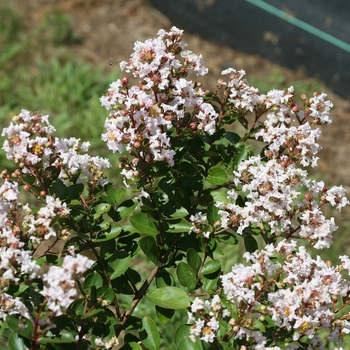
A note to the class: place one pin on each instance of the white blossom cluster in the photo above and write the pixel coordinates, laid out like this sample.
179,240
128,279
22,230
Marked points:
242,96
15,259
207,325
107,344
143,115
60,287
273,202
198,222
39,227
297,292
298,142
18,225
30,143
23,233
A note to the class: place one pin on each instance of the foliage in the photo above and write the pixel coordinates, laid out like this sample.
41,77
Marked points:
70,277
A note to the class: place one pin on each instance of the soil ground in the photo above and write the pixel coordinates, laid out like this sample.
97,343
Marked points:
109,28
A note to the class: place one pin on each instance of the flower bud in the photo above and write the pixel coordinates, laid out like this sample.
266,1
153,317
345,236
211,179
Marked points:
269,154
334,299
308,197
137,144
193,126
125,81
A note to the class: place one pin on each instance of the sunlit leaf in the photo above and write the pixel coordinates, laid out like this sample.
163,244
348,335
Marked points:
149,334
217,176
143,224
169,297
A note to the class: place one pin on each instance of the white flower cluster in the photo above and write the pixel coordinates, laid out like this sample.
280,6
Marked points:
15,260
207,325
60,287
20,228
298,142
297,292
144,114
244,98
198,223
273,202
39,227
108,344
12,305
30,144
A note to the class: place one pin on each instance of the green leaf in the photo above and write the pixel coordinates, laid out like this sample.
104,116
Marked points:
126,208
21,325
194,260
169,297
241,155
210,266
179,227
149,334
118,264
232,137
50,259
101,209
93,279
182,340
107,293
164,315
182,332
179,213
217,176
132,346
21,289
59,189
210,281
77,307
188,344
92,313
15,342
212,214
64,337
227,238
149,247
186,276
250,243
143,224
114,232
74,192
219,196
164,279
115,196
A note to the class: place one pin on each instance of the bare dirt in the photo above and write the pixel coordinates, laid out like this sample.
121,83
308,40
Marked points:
109,28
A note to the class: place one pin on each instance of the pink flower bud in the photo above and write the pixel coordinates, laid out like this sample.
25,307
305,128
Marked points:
193,126
125,81
308,197
137,144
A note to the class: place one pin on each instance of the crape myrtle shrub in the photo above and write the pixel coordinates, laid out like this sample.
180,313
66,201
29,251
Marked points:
200,190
